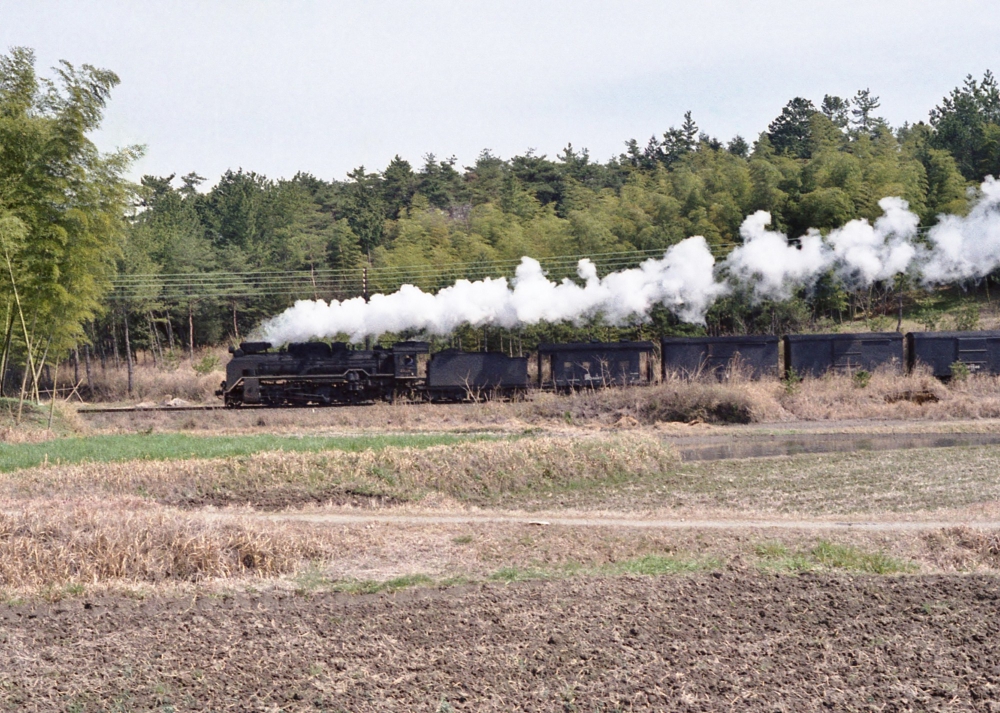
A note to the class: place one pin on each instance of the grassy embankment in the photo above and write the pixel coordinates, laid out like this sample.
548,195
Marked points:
181,446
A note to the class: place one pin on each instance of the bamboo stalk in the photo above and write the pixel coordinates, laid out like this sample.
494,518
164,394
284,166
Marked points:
27,337
38,372
6,344
52,401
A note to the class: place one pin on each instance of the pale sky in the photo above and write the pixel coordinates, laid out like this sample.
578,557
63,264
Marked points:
323,87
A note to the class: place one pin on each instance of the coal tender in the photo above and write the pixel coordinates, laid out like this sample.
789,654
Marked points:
978,352
755,356
816,354
454,375
583,365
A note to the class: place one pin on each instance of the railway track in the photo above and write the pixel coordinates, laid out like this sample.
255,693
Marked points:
148,409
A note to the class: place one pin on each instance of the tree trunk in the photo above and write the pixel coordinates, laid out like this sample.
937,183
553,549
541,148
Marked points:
114,345
236,329
154,338
76,365
128,351
191,330
86,367
170,331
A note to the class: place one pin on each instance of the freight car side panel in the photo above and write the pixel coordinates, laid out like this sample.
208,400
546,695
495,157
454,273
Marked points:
815,354
596,364
691,356
979,351
454,374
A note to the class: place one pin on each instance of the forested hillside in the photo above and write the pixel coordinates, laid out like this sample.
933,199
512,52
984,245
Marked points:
184,261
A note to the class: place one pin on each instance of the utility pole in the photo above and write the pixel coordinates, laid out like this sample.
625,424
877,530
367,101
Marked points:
364,293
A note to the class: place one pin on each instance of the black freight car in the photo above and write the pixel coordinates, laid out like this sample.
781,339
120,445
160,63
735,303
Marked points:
584,365
318,373
978,351
815,354
691,356
454,375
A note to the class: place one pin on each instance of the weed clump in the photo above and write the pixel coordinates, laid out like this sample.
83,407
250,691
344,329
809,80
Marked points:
676,400
828,555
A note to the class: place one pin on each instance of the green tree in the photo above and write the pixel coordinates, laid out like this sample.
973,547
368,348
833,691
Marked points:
837,110
863,109
967,124
62,202
365,209
398,186
791,132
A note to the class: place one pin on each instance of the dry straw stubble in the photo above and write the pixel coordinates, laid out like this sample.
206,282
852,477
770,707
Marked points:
478,472
54,542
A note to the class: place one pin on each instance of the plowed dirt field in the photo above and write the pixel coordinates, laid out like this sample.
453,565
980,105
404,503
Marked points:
720,641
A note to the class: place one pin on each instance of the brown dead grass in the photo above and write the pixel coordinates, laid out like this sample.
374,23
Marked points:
65,547
174,379
735,401
738,400
961,549
699,400
891,396
57,542
477,472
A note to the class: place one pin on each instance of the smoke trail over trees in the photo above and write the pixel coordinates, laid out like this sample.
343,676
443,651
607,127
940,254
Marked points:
686,280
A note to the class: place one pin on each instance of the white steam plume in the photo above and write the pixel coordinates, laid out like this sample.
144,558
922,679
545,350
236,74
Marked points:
684,280
966,247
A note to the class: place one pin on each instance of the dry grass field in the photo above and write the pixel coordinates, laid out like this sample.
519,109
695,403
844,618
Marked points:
550,554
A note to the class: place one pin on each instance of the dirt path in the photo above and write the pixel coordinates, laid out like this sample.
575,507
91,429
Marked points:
544,519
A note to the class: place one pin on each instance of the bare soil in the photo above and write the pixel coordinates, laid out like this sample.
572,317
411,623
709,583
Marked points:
727,640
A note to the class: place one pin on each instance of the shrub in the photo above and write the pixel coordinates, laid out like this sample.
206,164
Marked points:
792,381
967,317
208,364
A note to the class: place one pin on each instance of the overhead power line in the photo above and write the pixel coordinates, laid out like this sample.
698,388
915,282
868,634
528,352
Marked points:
341,283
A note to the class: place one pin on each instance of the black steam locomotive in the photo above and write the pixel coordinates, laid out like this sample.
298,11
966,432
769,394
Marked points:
319,373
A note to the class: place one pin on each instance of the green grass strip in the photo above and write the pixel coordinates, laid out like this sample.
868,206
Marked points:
173,446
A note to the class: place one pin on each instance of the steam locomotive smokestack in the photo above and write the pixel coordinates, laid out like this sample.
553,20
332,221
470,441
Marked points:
686,280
